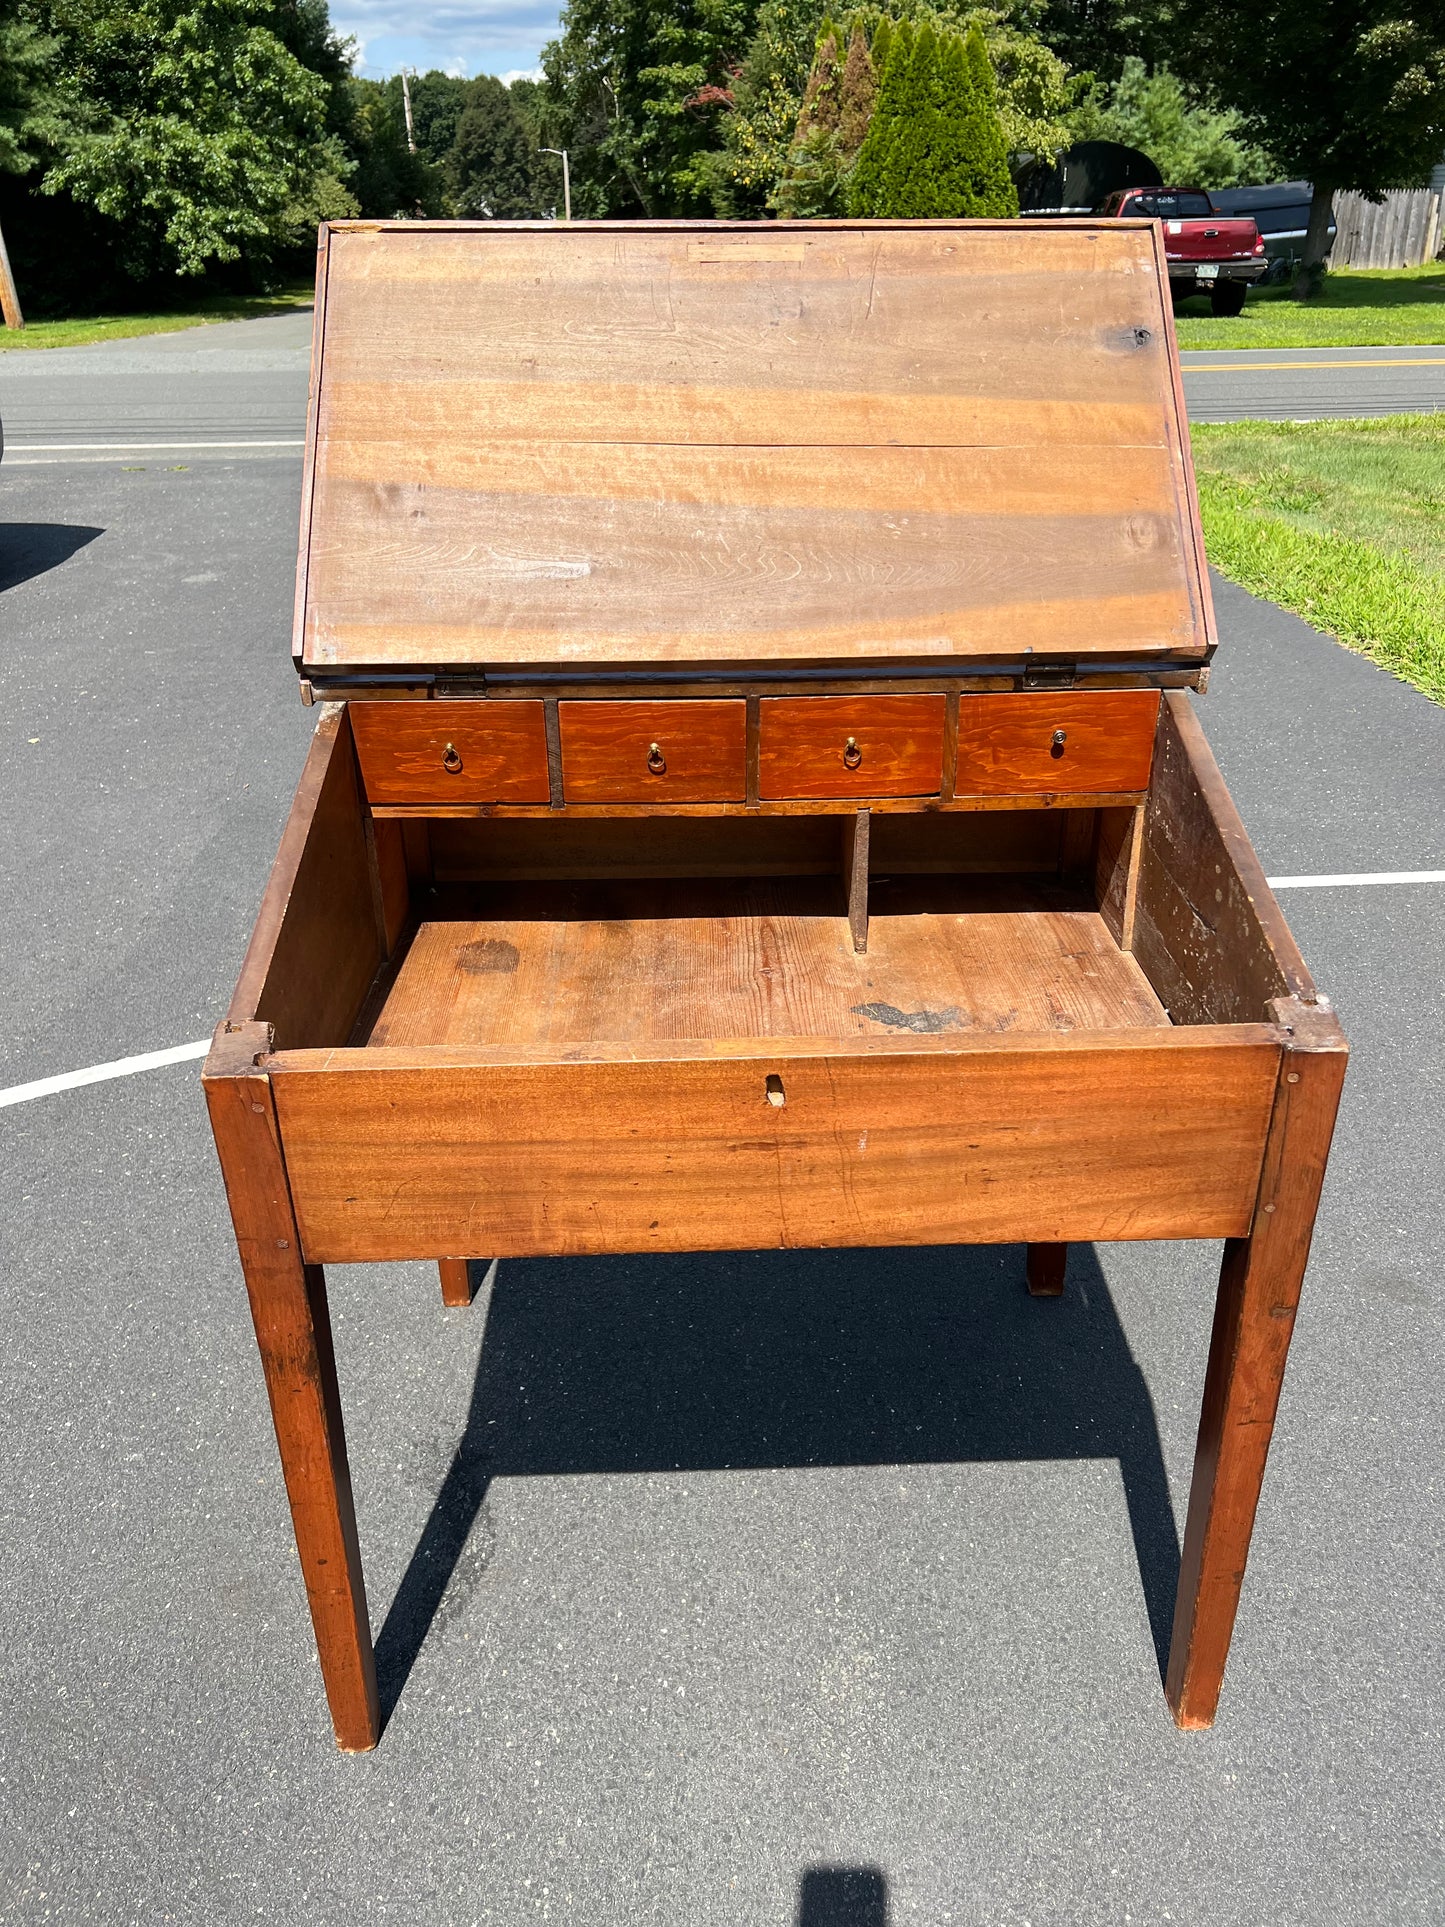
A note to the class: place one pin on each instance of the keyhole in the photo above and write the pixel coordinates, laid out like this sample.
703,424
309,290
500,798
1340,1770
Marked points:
656,761
450,760
777,1096
1056,747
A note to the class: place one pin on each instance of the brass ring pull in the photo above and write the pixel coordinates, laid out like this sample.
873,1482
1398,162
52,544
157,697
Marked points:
852,755
1056,747
656,761
451,762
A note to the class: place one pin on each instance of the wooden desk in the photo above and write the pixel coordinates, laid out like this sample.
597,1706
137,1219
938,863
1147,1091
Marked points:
756,787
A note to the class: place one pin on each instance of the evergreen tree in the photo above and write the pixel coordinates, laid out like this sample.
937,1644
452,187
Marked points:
991,189
857,95
868,190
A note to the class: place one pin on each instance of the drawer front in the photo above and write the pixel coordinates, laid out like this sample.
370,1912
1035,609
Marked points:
442,752
1144,1134
680,752
1021,745
850,746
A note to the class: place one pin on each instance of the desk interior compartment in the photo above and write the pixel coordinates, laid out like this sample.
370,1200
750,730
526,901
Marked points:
1039,997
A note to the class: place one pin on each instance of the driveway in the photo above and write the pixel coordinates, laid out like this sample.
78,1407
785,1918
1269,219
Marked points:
757,1589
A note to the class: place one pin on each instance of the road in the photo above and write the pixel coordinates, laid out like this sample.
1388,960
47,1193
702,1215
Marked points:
1309,384
782,1588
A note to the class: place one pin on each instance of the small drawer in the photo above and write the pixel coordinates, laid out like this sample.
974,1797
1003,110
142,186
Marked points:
1066,743
850,746
681,752
448,752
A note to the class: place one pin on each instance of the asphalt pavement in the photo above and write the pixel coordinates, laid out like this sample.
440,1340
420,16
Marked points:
1311,384
760,1589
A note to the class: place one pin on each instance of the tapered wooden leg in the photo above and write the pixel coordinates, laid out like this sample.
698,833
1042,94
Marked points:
293,1330
1259,1290
1044,1270
456,1281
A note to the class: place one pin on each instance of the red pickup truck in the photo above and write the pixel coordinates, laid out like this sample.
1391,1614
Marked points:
1220,255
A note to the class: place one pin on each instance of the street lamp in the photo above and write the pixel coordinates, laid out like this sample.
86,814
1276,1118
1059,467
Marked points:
561,153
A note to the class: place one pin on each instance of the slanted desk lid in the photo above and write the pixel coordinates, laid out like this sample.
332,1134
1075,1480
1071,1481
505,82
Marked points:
605,445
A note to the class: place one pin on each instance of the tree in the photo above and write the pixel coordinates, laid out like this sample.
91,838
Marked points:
990,189
1096,37
190,125
1345,93
935,148
28,116
634,93
491,168
766,89
389,181
869,194
1191,144
771,155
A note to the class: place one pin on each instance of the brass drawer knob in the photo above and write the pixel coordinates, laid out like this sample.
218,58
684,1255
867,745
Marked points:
656,761
852,755
451,762
1060,737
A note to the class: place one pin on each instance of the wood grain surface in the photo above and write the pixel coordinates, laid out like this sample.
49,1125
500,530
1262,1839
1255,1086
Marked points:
1259,1292
672,444
498,752
674,752
1208,930
318,940
896,1140
806,743
1007,747
293,1332
642,962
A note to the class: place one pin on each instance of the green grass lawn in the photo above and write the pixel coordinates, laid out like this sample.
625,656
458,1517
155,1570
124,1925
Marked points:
1341,521
1358,308
113,327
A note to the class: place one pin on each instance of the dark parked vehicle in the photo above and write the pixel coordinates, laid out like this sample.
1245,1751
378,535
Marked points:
1208,253
1281,213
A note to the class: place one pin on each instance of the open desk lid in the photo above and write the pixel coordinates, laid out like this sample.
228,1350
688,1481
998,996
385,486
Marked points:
603,446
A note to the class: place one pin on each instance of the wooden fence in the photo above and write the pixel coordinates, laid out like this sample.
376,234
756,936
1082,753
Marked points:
1402,231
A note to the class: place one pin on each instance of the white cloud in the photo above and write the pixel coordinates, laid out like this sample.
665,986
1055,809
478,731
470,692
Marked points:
459,36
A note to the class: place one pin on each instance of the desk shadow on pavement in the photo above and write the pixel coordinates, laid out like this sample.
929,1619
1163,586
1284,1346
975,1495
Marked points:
738,1361
842,1897
30,548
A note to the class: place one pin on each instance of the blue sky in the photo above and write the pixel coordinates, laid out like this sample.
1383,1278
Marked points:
459,36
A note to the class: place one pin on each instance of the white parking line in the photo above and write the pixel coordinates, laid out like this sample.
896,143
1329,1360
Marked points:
132,448
152,1060
1347,878
182,1053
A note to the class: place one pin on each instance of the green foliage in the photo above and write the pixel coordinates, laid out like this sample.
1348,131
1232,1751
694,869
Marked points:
491,167
1191,144
1343,94
190,125
868,191
767,88
985,158
1096,37
771,157
28,117
935,148
634,91
388,181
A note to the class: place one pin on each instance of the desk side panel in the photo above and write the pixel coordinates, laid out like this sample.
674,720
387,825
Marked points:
792,1142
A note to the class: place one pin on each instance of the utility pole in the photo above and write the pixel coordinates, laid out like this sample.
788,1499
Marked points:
561,152
406,103
9,299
